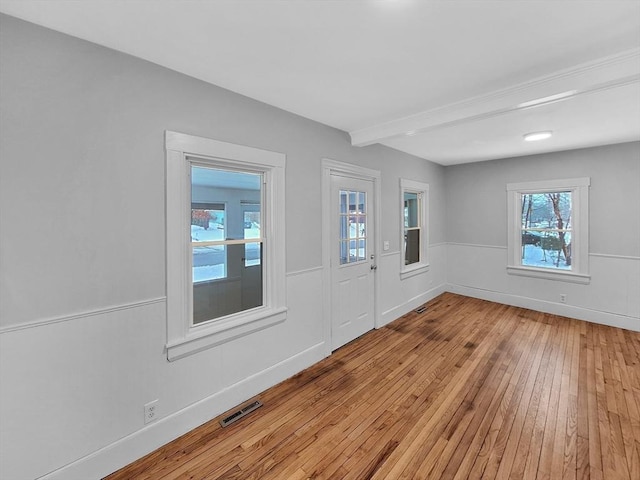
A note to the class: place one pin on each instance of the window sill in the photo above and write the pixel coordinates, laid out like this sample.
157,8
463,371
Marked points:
414,270
224,330
561,276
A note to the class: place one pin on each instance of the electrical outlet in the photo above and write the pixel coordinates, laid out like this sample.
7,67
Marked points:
150,411
563,298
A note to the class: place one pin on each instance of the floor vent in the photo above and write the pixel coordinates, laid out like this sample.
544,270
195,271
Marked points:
421,309
238,414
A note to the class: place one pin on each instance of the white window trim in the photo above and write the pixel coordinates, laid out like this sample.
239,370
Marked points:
422,189
183,338
579,188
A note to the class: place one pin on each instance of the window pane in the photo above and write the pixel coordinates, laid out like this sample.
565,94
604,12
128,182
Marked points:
362,249
353,250
344,227
344,253
362,202
411,246
546,210
252,223
227,277
410,210
252,254
209,262
547,249
353,227
353,202
362,226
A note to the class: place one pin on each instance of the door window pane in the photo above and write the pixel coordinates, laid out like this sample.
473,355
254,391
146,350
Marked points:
352,227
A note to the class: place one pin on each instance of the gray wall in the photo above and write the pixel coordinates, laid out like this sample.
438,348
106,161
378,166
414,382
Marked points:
476,206
82,150
82,257
476,195
82,260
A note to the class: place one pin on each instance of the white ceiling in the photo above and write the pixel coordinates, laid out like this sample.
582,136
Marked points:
454,72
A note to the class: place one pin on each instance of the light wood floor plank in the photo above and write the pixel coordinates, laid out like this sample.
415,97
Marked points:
467,389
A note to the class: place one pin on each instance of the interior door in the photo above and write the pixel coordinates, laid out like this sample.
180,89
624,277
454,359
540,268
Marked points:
353,262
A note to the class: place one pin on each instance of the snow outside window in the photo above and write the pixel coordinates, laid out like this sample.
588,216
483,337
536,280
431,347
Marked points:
548,229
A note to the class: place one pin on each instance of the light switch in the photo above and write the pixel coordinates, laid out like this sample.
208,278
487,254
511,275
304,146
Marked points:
385,245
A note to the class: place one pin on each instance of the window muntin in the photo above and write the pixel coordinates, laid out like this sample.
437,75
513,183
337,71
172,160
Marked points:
414,197
353,226
548,225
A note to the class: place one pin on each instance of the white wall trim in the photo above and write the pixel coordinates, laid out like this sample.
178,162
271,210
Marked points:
141,442
396,312
478,245
621,257
81,315
579,313
304,271
500,247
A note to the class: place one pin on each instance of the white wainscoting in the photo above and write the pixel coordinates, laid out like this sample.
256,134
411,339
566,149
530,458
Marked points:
75,388
611,298
403,295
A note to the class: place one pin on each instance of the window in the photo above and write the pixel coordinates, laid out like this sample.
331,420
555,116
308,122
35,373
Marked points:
414,241
224,250
353,226
225,242
548,229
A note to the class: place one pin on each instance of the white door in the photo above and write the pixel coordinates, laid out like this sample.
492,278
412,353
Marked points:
353,263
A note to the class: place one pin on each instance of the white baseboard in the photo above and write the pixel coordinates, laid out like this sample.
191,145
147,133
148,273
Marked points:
140,443
593,316
399,310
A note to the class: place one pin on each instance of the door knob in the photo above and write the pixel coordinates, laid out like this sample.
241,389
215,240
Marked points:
374,267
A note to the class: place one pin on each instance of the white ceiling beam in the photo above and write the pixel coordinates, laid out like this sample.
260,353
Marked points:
606,73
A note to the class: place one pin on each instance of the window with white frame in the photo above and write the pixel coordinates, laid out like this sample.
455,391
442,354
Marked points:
548,229
414,231
225,241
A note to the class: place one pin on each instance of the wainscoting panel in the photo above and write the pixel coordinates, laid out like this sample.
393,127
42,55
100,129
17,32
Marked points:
611,297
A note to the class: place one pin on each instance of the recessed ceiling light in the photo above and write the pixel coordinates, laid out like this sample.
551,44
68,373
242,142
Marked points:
549,99
534,136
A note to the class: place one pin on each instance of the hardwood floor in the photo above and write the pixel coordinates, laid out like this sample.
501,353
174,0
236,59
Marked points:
468,389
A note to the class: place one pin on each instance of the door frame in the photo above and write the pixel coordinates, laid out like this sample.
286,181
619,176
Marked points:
334,167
